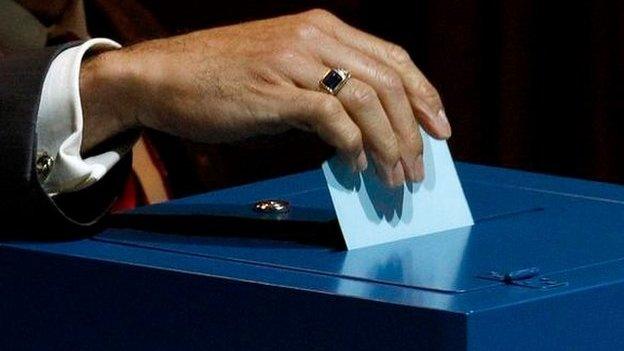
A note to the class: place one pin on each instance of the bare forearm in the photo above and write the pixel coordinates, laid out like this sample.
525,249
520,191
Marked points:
106,91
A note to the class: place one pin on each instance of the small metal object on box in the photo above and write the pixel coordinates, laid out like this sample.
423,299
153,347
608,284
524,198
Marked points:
272,206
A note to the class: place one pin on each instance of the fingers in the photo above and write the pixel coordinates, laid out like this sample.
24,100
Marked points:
389,87
364,106
424,98
325,115
365,109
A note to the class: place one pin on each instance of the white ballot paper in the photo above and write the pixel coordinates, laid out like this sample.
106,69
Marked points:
370,213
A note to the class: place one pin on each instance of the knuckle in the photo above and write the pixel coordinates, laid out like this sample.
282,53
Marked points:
391,152
430,92
399,54
284,55
352,140
410,134
415,142
387,148
435,96
364,95
390,79
306,31
305,108
329,107
319,14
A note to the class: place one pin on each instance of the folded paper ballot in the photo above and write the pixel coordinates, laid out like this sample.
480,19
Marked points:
369,213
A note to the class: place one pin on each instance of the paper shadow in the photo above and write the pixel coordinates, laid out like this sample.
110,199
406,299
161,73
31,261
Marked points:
430,169
379,203
386,203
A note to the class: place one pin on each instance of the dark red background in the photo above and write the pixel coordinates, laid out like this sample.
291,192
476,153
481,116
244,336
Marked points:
536,85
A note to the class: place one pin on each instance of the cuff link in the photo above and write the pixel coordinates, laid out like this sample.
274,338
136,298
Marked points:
334,80
43,165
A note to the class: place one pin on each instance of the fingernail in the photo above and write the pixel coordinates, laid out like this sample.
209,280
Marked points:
362,162
444,123
398,177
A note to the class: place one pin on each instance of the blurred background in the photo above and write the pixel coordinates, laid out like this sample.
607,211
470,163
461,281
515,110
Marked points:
533,85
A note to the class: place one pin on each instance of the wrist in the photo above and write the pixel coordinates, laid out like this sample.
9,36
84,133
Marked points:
107,98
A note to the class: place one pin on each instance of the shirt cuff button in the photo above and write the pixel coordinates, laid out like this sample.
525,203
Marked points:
43,165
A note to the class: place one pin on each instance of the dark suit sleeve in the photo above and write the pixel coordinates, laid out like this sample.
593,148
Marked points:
26,209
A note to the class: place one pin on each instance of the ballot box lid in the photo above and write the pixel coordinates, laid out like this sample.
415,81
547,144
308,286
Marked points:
525,224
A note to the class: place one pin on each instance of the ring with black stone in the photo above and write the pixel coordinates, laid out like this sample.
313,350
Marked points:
334,80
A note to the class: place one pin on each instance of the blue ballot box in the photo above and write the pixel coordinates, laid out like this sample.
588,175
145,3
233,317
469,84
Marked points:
542,269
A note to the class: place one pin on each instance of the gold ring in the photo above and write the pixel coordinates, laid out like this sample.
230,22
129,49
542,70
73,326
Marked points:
334,80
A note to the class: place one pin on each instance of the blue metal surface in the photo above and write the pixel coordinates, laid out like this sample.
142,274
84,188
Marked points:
516,229
424,292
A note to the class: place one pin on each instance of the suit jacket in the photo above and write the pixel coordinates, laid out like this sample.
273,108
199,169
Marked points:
27,211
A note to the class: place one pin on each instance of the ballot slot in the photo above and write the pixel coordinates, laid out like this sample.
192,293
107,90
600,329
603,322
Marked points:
515,228
310,220
310,201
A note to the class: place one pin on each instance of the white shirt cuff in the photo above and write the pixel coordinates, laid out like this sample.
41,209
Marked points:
60,123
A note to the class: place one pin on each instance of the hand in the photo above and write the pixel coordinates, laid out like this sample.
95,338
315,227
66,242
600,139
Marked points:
229,83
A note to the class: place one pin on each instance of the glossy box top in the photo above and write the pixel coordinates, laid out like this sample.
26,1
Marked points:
517,227
569,229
